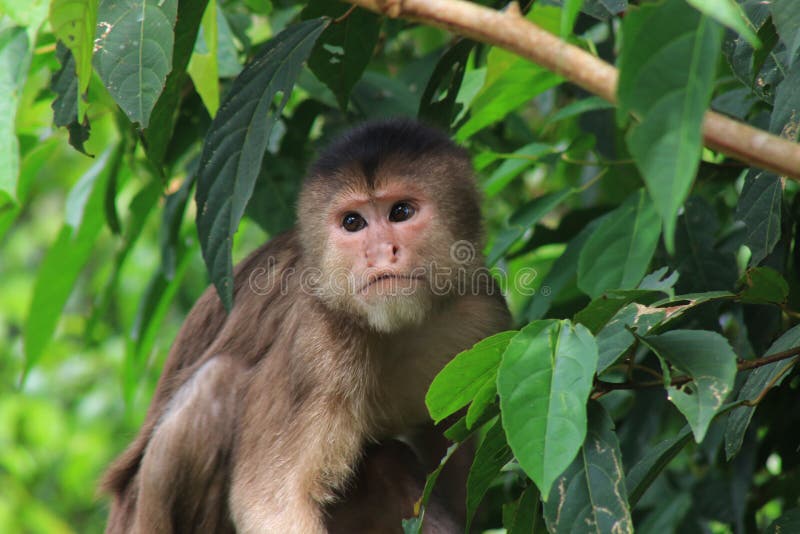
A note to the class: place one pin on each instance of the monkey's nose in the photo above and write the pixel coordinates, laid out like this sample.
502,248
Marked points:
383,253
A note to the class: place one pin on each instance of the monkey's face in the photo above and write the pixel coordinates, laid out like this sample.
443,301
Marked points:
385,254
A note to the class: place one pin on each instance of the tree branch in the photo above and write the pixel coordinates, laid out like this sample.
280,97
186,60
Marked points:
510,30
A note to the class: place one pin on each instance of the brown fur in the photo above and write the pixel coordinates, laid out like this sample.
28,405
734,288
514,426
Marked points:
261,417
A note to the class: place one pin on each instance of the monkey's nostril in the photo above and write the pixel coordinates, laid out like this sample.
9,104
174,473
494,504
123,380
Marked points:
394,251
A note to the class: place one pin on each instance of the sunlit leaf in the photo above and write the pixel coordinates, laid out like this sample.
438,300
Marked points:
203,66
666,79
730,14
14,59
465,375
544,382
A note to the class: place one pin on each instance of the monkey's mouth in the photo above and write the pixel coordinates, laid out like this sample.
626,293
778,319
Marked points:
395,277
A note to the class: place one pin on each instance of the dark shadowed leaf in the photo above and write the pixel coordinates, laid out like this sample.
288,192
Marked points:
664,68
763,285
544,382
73,23
785,118
344,49
618,253
64,84
492,454
590,496
786,17
757,380
235,145
708,358
614,340
759,208
786,523
133,54
438,103
648,468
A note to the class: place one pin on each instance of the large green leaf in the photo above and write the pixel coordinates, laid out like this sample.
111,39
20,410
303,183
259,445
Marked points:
73,22
66,257
235,144
134,52
786,16
709,360
544,382
667,74
14,60
590,496
759,208
203,67
618,253
757,380
344,49
465,375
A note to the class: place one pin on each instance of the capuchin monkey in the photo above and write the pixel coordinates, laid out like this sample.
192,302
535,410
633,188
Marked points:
279,417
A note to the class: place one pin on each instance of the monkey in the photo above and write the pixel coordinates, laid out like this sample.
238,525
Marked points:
262,416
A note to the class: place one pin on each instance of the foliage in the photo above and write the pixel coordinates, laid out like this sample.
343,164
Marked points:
651,381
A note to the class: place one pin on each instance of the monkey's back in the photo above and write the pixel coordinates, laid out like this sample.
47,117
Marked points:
245,334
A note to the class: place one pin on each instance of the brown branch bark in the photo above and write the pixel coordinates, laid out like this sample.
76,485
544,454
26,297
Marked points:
510,30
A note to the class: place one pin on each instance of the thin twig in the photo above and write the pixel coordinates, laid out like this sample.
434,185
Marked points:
345,14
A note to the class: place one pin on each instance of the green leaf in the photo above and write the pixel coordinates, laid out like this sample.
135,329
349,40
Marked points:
600,310
788,522
66,257
590,496
563,272
514,164
73,23
482,400
544,382
64,84
702,266
786,17
134,52
709,360
158,134
759,208
757,381
235,145
614,340
523,219
592,103
492,454
438,103
203,66
729,13
569,12
525,512
465,375
344,49
617,254
763,285
667,74
650,466
785,118
510,80
14,61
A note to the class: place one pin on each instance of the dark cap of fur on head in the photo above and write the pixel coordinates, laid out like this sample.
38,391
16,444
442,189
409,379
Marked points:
378,141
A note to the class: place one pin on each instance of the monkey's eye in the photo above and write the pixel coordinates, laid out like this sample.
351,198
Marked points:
401,211
353,222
